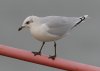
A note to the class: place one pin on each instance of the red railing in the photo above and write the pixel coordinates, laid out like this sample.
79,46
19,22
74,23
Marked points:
44,60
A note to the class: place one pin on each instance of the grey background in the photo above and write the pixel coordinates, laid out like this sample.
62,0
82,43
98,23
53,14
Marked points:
82,45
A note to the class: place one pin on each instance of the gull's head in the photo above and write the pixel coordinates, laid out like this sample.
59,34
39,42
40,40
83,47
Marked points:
28,22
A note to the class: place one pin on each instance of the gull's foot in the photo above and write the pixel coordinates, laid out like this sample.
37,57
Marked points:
36,53
52,57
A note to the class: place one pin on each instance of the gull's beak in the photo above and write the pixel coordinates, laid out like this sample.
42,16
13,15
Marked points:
20,28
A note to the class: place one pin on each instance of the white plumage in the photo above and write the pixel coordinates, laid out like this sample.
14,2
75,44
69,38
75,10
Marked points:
50,28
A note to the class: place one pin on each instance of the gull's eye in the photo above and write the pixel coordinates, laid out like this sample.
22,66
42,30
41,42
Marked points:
27,22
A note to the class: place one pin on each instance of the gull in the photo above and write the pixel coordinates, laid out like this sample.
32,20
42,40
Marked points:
50,28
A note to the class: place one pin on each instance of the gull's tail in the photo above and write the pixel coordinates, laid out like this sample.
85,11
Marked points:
81,19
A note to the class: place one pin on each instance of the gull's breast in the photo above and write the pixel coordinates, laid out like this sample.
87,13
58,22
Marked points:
40,33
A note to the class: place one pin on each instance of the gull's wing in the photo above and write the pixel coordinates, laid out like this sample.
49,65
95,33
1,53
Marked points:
60,25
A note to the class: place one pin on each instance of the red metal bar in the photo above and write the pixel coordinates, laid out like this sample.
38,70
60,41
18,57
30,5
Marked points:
57,63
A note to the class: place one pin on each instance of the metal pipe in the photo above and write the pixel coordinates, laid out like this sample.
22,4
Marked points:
44,60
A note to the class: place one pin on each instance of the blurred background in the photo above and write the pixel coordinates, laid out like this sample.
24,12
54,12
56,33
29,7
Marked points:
82,45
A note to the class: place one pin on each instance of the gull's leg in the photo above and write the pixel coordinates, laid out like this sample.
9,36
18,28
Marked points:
39,53
54,56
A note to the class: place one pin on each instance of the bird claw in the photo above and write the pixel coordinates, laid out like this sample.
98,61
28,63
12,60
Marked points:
52,57
36,53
